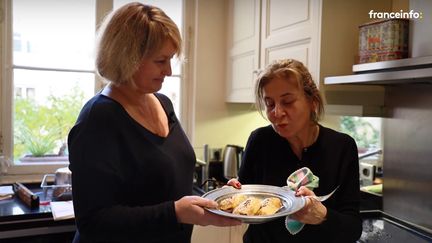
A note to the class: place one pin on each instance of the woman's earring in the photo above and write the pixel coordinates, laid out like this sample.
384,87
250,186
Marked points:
314,116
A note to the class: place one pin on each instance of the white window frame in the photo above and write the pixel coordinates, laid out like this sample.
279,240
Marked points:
33,173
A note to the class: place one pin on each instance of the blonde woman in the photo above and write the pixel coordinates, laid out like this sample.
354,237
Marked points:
131,162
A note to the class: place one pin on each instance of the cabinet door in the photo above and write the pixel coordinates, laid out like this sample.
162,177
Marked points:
291,29
210,234
243,45
237,232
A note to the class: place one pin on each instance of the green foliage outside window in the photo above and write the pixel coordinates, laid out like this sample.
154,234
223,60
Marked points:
363,132
42,129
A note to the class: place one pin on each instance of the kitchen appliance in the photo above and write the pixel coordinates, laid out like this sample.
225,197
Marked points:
216,166
367,174
61,190
216,171
370,166
231,160
200,172
209,176
201,167
63,176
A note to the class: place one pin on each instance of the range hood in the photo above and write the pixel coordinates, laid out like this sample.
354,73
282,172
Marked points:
409,70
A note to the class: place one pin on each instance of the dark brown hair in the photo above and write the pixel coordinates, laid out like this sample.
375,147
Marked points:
287,68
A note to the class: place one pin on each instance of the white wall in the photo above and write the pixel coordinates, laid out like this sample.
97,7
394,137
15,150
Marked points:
217,123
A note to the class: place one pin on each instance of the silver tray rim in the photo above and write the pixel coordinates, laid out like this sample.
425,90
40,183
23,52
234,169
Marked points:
286,195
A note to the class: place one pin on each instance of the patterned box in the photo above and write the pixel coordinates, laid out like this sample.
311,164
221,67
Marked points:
383,40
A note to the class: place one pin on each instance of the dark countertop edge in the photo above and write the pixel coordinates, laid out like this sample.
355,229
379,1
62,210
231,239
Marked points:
11,234
6,225
25,217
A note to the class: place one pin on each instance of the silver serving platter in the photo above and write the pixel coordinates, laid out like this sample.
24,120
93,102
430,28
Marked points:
291,203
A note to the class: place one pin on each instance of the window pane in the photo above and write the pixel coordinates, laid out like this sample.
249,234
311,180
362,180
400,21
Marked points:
54,34
53,60
366,131
45,112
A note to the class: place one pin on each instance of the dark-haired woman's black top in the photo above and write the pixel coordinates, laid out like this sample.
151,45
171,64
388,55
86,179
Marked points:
268,159
125,178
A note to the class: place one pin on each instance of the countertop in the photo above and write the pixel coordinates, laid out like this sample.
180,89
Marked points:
19,220
379,226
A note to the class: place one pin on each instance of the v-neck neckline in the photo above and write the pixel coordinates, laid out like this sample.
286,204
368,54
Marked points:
170,123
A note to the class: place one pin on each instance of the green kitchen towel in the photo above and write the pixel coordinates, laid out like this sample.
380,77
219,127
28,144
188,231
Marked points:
301,177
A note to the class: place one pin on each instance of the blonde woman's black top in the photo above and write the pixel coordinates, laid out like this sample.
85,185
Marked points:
125,178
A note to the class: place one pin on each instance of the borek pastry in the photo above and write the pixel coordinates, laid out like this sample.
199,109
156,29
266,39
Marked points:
228,204
248,207
270,206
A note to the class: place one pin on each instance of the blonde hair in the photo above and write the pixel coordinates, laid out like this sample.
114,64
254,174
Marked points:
132,32
287,68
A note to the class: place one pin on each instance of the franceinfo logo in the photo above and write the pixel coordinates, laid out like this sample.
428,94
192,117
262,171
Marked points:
396,15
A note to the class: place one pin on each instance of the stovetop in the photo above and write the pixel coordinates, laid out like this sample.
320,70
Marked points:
197,191
380,227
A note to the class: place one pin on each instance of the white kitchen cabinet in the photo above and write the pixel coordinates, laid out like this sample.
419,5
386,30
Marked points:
236,233
323,34
260,31
290,29
244,18
210,234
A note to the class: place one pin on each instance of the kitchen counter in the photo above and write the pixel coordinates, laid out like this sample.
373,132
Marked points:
370,200
18,221
379,226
